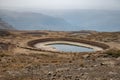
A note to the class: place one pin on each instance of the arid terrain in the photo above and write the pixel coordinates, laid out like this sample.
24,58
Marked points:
19,60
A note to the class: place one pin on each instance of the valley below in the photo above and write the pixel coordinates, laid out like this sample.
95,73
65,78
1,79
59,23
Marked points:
21,60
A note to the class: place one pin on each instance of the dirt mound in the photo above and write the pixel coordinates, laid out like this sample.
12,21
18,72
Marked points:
4,33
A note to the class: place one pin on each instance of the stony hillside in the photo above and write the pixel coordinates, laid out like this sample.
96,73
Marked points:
20,61
4,25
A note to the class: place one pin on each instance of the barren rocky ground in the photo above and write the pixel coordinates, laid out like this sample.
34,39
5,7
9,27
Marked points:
19,62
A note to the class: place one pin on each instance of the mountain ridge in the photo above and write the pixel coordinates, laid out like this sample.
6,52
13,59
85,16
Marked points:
30,20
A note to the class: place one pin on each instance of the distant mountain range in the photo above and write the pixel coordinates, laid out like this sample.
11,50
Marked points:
100,20
31,20
65,20
4,25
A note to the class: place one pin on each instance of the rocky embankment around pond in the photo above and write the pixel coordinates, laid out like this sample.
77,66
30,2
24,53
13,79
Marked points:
19,60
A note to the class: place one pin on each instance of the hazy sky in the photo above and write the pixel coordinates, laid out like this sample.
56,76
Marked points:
61,4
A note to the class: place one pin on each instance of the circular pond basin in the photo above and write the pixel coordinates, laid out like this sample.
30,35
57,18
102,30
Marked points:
66,46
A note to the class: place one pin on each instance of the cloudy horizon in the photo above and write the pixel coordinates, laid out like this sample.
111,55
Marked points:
60,4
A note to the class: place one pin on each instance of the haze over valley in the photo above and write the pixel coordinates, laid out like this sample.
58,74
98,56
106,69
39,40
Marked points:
63,20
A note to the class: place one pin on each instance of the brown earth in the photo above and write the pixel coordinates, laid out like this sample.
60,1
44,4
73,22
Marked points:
19,61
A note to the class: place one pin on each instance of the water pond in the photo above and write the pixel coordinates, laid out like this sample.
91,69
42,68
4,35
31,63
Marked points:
70,48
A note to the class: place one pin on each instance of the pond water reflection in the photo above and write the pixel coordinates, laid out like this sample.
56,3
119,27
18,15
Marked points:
70,48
